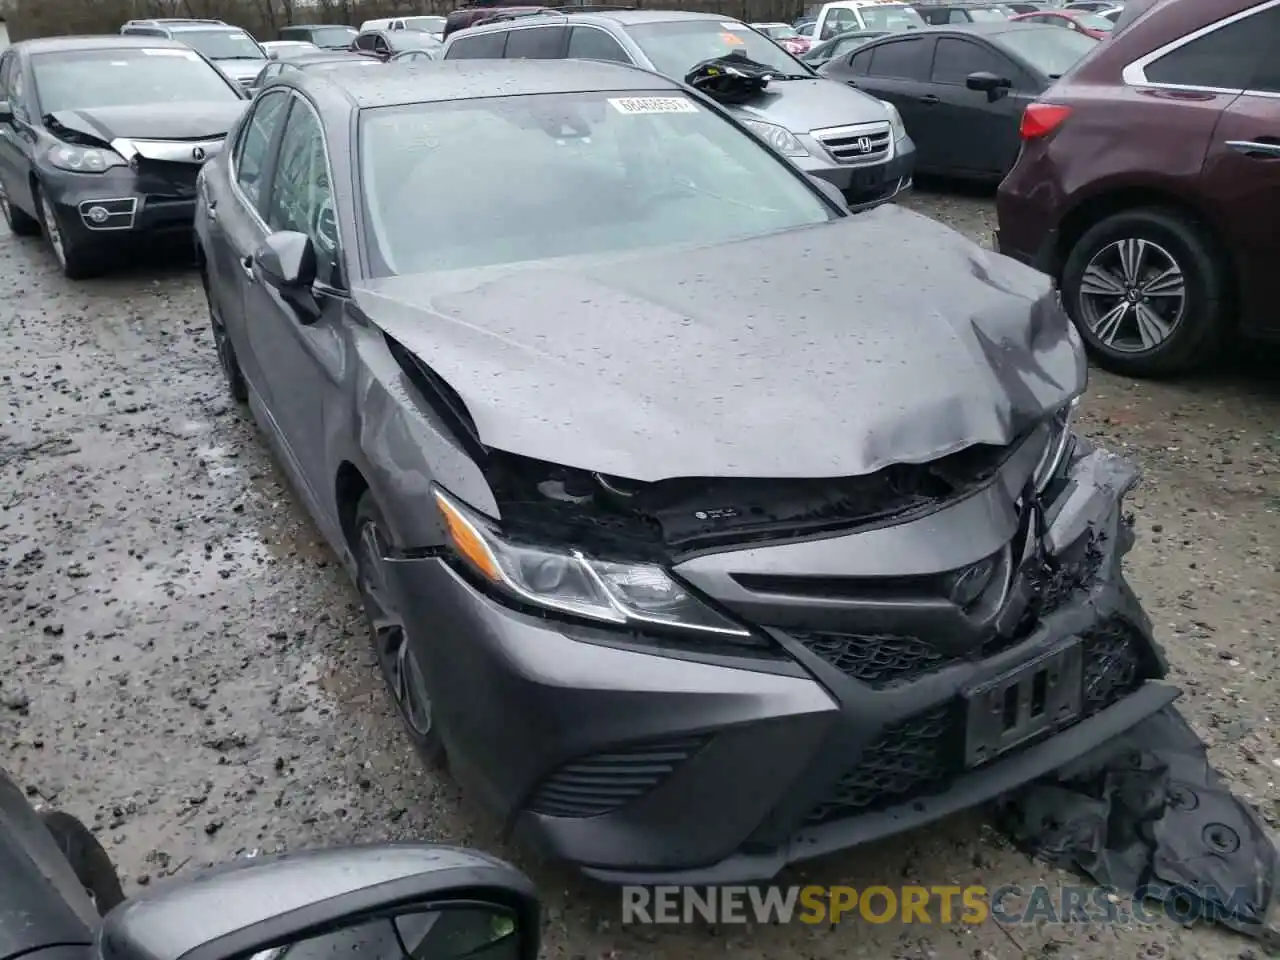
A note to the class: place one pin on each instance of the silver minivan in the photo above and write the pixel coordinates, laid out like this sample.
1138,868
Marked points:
829,130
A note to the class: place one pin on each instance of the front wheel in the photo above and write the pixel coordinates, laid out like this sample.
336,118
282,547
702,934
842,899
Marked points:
76,260
1147,290
89,861
396,658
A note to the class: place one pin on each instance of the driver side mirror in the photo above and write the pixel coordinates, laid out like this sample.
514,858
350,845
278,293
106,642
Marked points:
382,902
286,262
6,112
993,86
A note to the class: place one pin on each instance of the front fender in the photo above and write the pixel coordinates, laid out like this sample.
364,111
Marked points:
402,446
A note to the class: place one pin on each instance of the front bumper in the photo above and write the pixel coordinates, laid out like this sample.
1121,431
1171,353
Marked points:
102,210
863,186
649,765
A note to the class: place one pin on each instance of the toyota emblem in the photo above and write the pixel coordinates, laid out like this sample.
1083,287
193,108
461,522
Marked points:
197,153
864,144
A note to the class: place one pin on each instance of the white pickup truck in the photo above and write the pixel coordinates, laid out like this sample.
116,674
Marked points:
844,15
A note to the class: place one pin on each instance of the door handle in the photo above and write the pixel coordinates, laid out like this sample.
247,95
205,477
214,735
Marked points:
246,264
929,100
1258,149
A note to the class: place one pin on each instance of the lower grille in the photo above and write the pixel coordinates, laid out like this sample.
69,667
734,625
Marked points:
861,143
1113,663
923,753
167,179
604,782
878,661
907,759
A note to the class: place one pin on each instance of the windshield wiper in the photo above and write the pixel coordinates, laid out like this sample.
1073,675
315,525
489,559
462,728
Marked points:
793,76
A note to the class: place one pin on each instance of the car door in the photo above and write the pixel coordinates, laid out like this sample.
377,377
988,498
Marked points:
302,353
972,135
235,226
897,70
1242,168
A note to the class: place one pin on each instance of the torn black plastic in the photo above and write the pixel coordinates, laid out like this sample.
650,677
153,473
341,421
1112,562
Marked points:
731,79
1147,814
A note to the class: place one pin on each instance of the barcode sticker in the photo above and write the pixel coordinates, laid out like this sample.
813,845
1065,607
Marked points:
653,105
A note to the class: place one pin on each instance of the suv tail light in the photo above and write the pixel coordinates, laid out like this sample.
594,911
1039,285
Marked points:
1041,119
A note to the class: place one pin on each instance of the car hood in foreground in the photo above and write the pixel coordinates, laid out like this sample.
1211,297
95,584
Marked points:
804,105
156,121
829,351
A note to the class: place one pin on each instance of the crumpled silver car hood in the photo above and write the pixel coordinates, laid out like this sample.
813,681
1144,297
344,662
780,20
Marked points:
834,350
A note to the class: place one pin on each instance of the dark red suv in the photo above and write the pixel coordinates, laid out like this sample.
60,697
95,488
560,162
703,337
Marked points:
1149,185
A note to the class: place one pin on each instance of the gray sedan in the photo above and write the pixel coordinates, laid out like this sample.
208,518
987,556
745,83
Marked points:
699,531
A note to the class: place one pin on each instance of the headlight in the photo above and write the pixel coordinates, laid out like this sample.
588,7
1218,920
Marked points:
895,120
1055,450
84,159
780,138
572,582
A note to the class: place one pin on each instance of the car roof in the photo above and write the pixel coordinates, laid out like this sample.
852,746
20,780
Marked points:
445,80
984,29
107,41
224,27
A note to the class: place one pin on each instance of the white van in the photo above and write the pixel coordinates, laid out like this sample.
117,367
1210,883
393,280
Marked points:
431,25
845,15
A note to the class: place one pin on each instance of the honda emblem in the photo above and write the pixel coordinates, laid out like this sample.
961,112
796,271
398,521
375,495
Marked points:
197,153
864,144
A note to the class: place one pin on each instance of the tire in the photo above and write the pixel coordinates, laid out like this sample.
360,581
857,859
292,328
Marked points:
400,671
20,223
89,861
1162,252
227,360
77,261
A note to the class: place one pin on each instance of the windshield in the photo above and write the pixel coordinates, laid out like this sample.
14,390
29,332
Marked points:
677,46
333,36
891,18
429,24
222,44
1091,21
83,80
987,15
598,174
1052,52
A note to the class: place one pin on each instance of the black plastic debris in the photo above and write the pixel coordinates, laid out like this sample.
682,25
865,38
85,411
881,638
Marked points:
1146,814
733,78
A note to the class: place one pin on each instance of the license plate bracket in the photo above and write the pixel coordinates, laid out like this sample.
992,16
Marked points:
1035,697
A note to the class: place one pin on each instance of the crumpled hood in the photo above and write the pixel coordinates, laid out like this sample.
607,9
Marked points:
804,105
155,121
832,350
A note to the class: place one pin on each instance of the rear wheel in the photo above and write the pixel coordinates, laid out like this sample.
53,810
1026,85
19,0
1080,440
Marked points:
20,223
89,861
222,344
1147,291
396,658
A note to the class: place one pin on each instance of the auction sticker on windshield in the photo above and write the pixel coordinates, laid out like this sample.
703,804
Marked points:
653,105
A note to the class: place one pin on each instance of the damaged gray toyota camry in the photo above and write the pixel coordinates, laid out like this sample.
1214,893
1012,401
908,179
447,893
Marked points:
702,526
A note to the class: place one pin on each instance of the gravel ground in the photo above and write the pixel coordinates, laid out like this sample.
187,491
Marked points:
185,667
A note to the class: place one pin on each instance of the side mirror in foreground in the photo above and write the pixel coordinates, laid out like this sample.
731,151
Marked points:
384,902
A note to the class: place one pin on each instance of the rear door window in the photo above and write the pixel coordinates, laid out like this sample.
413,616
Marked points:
1229,58
588,43
955,59
485,46
901,60
536,43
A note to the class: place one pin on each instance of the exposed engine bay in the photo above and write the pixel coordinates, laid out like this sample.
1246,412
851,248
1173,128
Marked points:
686,514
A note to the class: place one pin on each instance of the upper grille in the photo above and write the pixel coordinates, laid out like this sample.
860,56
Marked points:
879,661
604,782
860,143
923,753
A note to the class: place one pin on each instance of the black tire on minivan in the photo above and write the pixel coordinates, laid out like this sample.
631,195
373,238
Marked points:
1148,291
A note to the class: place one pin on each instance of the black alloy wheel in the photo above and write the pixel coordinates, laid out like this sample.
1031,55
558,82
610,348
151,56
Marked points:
397,661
